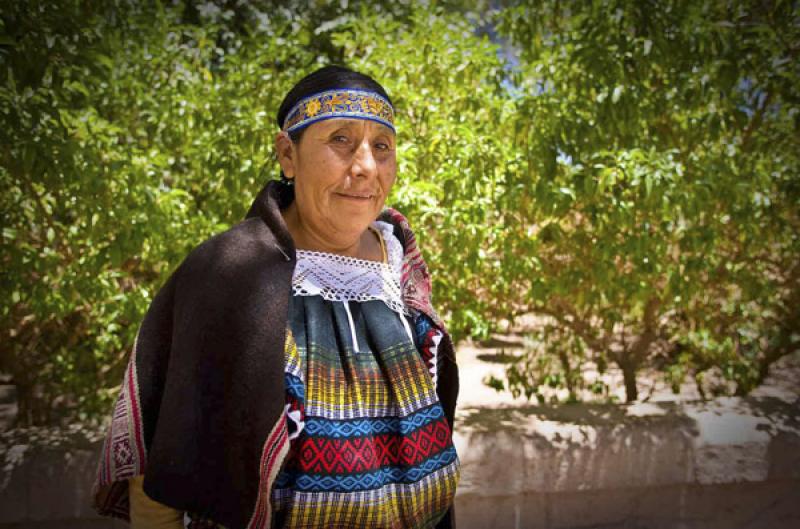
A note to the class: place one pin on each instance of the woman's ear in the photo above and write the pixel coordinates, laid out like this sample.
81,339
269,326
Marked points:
284,149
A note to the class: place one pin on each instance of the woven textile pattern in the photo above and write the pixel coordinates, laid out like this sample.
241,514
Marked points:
123,455
371,446
428,338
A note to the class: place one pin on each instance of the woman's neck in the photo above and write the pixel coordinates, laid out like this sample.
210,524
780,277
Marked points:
363,245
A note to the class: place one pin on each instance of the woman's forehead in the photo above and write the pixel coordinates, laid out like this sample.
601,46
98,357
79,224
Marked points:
353,123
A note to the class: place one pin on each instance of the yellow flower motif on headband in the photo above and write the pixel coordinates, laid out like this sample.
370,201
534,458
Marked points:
313,107
375,105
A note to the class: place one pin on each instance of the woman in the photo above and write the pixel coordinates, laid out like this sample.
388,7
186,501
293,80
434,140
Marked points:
292,372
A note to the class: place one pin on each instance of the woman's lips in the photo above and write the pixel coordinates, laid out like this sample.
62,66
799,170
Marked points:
356,196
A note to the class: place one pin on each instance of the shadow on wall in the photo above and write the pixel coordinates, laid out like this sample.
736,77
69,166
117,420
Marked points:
730,462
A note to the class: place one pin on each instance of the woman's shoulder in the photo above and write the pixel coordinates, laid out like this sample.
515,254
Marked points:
247,244
401,228
416,279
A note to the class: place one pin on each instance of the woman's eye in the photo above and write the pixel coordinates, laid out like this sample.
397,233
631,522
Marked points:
340,139
382,146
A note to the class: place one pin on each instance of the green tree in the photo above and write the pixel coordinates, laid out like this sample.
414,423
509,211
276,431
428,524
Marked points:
657,189
629,174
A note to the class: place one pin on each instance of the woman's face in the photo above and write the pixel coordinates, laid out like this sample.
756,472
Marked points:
343,170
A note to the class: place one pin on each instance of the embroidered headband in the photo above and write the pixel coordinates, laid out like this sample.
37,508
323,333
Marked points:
339,103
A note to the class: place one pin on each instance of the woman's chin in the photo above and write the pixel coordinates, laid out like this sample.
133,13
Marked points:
353,226
360,208
352,223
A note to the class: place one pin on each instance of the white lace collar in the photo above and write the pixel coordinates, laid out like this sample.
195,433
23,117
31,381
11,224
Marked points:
342,278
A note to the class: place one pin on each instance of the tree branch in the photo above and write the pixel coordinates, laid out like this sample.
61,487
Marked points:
755,122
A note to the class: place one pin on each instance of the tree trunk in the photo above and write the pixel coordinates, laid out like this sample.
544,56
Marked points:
32,408
629,376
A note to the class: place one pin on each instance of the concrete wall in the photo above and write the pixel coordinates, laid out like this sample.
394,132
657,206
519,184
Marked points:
728,463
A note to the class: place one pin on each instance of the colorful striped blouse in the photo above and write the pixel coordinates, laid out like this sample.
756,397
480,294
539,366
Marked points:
370,444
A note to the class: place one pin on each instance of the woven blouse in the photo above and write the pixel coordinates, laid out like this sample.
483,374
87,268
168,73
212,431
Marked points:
370,445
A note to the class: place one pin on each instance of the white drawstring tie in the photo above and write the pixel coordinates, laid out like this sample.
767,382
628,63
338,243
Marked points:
352,326
408,328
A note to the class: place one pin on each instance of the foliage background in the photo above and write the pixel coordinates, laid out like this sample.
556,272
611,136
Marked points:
625,171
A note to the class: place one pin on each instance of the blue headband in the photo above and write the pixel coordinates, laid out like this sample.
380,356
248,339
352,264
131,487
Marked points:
339,103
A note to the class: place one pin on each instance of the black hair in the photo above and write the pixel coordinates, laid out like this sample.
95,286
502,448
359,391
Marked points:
325,78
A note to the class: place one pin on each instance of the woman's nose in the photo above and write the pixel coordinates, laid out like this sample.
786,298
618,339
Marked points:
364,164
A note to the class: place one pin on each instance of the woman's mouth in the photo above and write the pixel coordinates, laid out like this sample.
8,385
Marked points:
365,196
